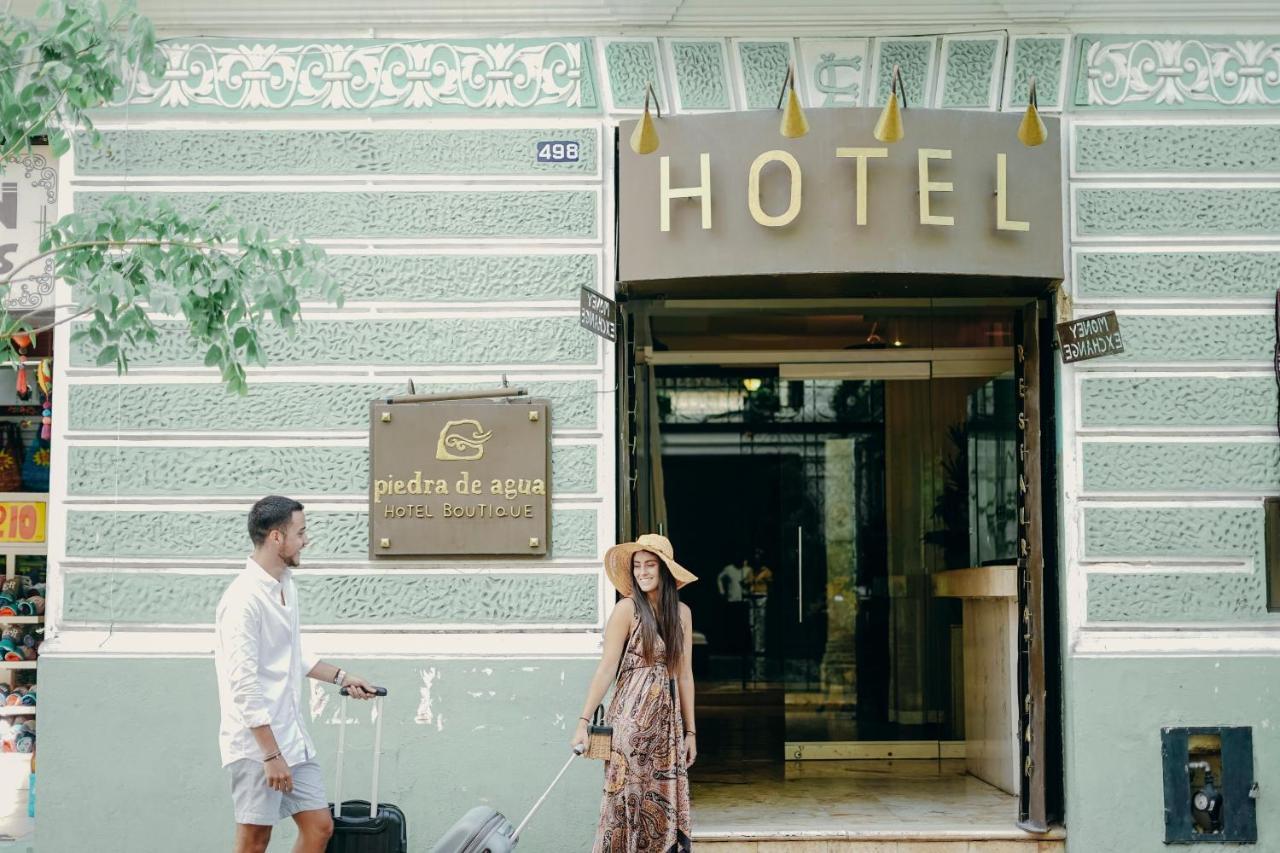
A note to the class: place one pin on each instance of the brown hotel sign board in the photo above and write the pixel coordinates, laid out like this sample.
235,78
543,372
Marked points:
725,195
459,478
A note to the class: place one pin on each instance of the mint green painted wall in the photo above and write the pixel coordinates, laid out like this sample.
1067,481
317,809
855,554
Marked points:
284,406
1113,753
496,735
481,151
337,597
252,471
460,214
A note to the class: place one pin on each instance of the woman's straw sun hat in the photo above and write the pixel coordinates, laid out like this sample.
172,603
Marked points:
617,561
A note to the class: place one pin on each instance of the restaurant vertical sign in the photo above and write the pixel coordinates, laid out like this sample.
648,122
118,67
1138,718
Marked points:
453,478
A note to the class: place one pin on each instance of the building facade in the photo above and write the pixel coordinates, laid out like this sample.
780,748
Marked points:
413,161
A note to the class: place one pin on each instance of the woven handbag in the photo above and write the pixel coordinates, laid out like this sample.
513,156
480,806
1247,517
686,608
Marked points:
599,732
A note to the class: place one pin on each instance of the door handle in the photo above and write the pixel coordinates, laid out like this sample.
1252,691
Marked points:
800,573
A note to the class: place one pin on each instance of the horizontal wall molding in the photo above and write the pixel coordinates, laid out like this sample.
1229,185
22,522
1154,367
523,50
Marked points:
1216,148
169,597
453,214
451,341
1195,402
1181,467
290,407
222,471
1158,211
192,534
1197,274
500,152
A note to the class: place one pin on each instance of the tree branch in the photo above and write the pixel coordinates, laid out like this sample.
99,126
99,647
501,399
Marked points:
203,247
45,328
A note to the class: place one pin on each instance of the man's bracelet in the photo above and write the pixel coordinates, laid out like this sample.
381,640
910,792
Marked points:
339,677
272,756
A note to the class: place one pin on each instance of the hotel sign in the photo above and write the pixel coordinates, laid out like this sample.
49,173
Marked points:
726,195
459,478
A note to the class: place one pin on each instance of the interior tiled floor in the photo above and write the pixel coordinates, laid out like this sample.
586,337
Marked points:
922,800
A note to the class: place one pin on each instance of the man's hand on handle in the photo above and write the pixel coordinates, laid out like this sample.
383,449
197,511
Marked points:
358,688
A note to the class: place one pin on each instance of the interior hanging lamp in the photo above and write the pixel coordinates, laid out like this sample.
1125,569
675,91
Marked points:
794,124
1031,131
889,126
644,139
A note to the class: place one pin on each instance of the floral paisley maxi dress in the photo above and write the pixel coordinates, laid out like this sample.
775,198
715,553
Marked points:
646,787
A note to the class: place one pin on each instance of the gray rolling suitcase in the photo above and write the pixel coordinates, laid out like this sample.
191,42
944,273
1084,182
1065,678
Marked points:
485,830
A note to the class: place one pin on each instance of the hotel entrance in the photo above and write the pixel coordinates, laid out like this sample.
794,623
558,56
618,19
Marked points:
837,399
843,475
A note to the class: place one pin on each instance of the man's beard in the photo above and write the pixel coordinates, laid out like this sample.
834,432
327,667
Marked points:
294,560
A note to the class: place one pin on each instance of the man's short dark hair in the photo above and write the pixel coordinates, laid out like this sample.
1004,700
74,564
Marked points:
271,513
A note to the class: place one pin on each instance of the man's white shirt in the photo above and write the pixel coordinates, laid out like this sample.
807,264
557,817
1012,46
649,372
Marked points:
261,665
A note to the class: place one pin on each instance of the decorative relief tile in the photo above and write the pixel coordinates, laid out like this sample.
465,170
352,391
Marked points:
833,72
283,406
970,72
1042,57
1176,72
249,151
762,65
464,278
1172,339
1183,532
219,534
464,75
701,74
394,214
253,471
1176,598
1180,466
167,597
444,341
1208,211
1182,149
630,64
916,58
1195,274
1177,401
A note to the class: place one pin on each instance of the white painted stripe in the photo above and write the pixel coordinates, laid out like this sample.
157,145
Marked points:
1240,639
1175,565
334,646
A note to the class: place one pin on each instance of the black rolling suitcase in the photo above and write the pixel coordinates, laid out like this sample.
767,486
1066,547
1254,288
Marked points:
359,827
485,830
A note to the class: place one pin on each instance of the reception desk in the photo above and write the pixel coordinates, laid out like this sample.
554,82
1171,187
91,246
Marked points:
990,596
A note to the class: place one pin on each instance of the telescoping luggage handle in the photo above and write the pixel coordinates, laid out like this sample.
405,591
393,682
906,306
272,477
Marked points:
380,692
515,836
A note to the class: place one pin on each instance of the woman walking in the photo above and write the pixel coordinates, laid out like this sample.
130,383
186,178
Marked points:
647,650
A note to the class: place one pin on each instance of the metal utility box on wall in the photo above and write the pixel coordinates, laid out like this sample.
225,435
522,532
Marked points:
1209,792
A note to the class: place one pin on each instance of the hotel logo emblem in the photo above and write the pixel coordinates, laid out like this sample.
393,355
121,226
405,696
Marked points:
456,445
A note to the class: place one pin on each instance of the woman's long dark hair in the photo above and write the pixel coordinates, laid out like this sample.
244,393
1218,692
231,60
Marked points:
665,622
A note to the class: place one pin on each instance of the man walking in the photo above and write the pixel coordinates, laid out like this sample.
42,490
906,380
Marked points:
260,665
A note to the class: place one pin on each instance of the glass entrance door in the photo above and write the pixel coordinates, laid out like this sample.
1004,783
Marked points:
872,660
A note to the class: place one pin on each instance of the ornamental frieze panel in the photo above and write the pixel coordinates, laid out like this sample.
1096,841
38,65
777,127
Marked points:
462,75
1184,73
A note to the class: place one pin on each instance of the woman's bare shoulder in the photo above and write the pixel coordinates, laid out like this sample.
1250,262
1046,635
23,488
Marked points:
686,615
624,609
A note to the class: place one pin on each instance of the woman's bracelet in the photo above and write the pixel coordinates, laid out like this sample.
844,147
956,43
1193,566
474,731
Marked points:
584,719
690,732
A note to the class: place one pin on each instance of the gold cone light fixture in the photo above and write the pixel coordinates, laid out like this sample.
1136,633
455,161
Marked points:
889,126
1032,131
644,139
794,124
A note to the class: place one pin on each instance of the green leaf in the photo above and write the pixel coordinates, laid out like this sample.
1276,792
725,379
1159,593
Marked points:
213,356
108,355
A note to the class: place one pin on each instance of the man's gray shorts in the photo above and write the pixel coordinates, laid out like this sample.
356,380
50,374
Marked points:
256,803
